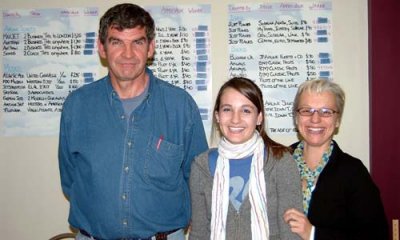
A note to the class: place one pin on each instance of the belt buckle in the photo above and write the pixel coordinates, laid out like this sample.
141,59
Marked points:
161,236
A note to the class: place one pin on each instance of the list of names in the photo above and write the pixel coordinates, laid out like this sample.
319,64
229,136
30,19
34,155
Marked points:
183,51
279,46
47,53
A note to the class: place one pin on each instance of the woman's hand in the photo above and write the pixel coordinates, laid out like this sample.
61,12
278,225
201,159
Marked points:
298,223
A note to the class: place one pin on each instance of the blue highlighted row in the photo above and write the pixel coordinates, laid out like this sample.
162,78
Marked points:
325,61
89,46
200,82
202,28
201,75
200,40
202,57
202,88
88,77
203,110
322,20
201,51
88,52
323,55
324,73
204,117
90,34
199,34
201,46
201,66
90,40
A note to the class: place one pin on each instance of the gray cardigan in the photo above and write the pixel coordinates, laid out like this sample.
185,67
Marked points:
283,192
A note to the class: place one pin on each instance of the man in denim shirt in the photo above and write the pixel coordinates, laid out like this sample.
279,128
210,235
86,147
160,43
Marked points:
127,141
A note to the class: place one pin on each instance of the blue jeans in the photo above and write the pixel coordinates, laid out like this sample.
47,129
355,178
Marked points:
178,235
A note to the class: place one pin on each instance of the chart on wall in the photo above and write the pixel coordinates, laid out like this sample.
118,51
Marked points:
47,53
279,46
183,51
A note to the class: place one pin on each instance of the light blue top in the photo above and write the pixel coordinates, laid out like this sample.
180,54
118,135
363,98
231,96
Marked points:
239,174
129,178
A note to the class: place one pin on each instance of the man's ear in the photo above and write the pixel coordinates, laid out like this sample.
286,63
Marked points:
152,46
101,48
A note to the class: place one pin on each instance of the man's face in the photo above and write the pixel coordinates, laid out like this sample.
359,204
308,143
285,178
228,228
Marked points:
126,52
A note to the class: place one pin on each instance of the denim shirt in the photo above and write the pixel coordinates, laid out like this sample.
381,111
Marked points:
129,178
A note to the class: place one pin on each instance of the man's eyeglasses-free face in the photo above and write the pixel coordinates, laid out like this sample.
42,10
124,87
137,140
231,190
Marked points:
322,112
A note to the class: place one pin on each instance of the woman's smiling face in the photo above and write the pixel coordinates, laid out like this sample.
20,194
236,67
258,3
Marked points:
237,116
317,131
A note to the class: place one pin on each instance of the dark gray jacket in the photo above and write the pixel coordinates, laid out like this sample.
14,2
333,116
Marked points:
283,192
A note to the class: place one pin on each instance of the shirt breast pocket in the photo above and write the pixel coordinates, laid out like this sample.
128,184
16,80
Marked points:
163,163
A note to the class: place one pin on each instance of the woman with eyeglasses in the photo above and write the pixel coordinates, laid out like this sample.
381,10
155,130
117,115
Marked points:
340,200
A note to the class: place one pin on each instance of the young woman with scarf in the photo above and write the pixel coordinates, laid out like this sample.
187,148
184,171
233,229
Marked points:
241,189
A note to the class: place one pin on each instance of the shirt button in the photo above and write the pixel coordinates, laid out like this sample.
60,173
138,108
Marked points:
125,222
124,196
122,117
126,169
129,143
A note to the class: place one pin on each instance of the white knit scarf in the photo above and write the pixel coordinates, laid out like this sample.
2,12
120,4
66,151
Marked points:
257,192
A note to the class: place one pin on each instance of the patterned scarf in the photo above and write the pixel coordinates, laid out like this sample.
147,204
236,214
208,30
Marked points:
257,191
308,175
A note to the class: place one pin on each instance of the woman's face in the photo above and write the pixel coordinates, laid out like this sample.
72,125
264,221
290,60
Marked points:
317,131
237,116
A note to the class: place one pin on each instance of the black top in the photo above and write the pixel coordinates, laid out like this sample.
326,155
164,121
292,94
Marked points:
346,203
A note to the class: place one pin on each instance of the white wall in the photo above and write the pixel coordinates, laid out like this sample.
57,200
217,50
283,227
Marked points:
32,205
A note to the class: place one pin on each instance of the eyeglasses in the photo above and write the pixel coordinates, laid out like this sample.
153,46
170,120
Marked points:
322,112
